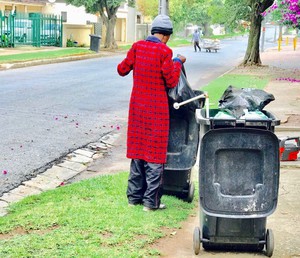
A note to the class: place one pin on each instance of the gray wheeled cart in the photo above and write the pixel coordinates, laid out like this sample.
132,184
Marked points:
238,183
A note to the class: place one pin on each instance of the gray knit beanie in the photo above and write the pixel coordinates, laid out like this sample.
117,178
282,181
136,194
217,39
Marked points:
162,24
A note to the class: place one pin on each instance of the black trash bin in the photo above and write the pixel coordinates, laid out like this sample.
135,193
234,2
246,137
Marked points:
95,42
238,182
182,151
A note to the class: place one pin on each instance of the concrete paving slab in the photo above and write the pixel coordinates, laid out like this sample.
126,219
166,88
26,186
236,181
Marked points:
25,191
11,198
109,139
73,165
43,183
85,153
60,173
3,204
98,146
97,156
78,158
3,212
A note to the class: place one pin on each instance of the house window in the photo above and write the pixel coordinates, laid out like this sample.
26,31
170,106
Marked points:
64,16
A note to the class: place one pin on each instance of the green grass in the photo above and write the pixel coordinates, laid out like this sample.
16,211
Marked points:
173,42
87,219
216,88
178,42
229,35
36,55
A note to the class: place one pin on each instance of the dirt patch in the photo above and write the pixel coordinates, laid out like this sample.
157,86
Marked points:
21,231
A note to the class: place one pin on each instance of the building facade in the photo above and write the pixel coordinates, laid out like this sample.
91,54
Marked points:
77,24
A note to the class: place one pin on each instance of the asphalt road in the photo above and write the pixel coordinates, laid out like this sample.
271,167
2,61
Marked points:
49,110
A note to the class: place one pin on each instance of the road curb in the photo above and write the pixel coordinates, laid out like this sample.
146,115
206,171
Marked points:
59,174
287,129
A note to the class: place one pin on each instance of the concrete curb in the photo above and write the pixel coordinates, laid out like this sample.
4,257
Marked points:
72,165
58,175
287,129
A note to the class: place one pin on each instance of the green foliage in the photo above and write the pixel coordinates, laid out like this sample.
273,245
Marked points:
87,219
236,11
70,43
147,7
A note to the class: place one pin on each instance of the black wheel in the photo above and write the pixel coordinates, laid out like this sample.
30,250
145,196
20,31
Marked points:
196,240
269,243
190,196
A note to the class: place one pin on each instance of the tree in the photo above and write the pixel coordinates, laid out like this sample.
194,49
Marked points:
238,10
107,10
257,7
148,7
290,12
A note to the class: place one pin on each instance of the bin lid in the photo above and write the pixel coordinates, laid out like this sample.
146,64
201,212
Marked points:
95,36
239,172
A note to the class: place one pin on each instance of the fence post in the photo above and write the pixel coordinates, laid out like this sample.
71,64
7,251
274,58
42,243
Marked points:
279,43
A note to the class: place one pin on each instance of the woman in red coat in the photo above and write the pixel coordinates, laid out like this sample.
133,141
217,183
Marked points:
148,124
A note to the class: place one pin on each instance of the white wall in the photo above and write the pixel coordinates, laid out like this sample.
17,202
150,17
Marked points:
75,15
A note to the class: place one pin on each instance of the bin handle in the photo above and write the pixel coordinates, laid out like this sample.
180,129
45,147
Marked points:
177,105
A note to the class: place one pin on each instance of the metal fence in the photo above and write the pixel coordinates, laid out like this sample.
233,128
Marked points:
34,29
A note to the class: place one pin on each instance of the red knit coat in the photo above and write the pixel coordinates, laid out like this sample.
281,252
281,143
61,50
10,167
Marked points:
148,123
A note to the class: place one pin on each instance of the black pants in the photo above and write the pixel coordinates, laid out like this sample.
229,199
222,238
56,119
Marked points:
145,183
196,45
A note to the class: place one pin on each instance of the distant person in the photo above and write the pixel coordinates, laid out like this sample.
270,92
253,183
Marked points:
154,71
196,40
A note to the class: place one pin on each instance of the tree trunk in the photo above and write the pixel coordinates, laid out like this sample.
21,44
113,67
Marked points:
252,56
257,7
110,24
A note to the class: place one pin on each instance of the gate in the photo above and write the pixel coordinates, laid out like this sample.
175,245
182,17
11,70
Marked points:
34,29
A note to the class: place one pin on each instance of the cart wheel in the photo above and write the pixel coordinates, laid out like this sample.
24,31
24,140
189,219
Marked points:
196,240
190,196
269,243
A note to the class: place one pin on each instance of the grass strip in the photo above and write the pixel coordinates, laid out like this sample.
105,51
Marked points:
36,55
90,218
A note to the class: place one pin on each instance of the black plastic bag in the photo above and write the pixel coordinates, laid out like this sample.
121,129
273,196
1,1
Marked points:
235,100
183,91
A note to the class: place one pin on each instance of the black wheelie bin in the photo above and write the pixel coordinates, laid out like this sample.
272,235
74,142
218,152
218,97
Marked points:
182,145
238,182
